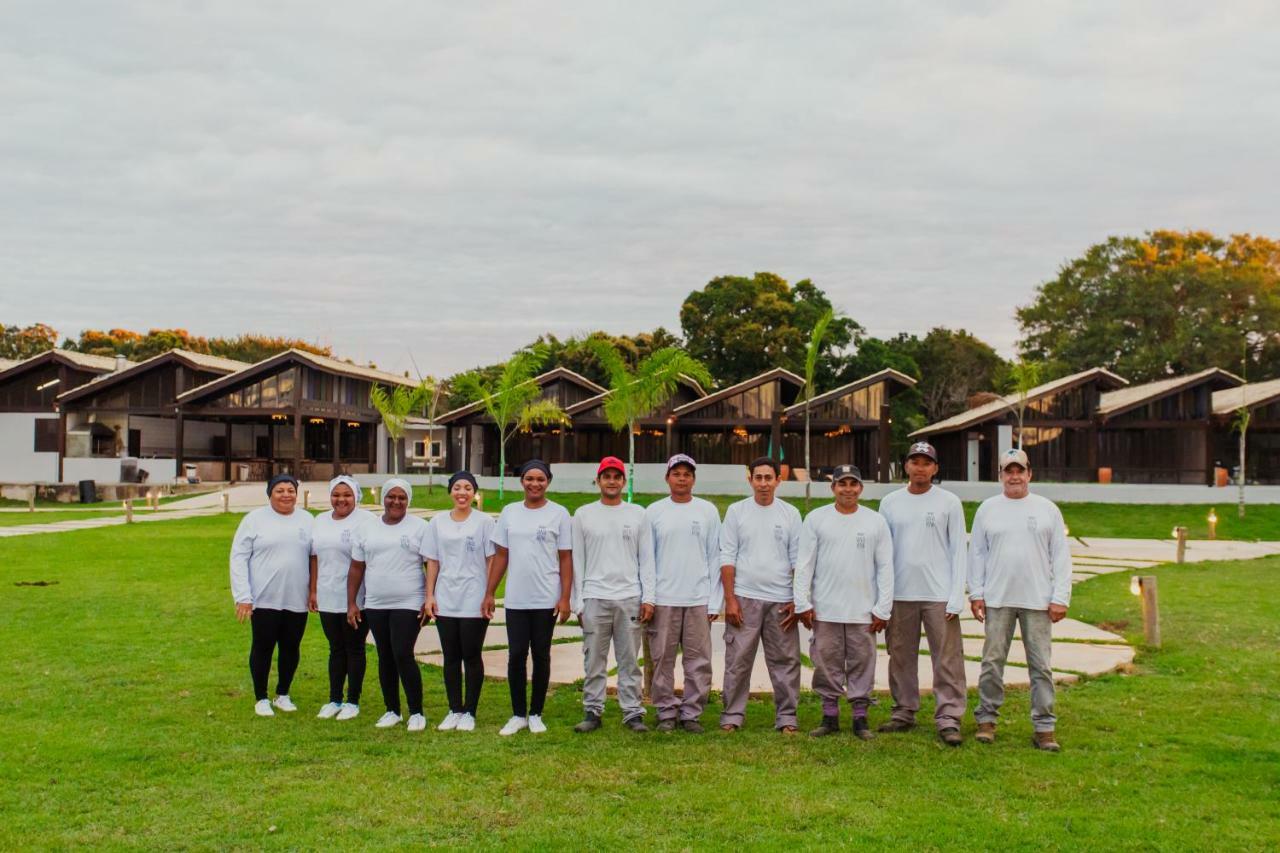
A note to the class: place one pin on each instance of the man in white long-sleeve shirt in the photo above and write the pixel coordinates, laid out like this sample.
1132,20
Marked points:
1019,574
613,594
844,592
929,550
759,543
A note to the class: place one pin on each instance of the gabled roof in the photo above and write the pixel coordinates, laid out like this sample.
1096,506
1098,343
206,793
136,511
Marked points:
591,402
888,374
1252,395
195,360
78,360
761,379
986,411
542,379
6,363
1114,403
329,365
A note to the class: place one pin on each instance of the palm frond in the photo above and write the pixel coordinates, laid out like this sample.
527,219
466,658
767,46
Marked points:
540,411
814,349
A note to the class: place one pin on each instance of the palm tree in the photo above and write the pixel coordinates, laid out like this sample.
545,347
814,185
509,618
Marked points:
635,393
1026,376
810,366
396,406
514,402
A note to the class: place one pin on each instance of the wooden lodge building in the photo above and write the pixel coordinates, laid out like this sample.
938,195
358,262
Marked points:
1262,439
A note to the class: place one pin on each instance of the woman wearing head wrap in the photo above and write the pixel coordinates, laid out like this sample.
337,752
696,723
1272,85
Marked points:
332,536
534,539
387,559
270,555
458,547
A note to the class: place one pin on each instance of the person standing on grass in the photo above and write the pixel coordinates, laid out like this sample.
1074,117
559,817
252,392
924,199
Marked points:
759,541
1019,574
332,537
844,593
534,540
387,558
686,556
929,551
458,548
270,559
613,595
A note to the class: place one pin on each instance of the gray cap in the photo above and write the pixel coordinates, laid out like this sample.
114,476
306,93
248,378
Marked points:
923,448
844,472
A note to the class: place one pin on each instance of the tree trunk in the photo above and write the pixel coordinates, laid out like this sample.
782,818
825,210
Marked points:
808,466
631,476
1240,474
502,464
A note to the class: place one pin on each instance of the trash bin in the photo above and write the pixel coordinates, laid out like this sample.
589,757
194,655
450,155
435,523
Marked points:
190,472
242,473
88,492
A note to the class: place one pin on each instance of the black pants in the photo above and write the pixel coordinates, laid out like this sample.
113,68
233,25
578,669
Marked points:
272,628
462,641
529,630
394,633
346,656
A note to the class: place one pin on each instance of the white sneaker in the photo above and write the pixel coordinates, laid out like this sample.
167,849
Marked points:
284,703
329,710
449,723
387,720
417,723
348,711
514,725
263,708
536,726
466,723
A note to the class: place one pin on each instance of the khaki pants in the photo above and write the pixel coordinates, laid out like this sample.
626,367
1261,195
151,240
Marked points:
686,629
1037,641
844,664
617,622
946,653
761,624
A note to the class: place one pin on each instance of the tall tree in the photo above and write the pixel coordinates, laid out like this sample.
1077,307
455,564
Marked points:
22,342
395,406
960,365
812,353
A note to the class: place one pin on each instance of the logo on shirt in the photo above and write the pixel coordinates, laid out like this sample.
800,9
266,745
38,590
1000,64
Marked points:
345,537
696,528
928,519
470,544
779,533
862,541
544,533
405,543
302,535
628,532
1032,523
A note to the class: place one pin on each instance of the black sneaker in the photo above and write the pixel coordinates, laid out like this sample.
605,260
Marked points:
862,729
666,725
693,727
589,723
951,736
895,725
636,724
830,725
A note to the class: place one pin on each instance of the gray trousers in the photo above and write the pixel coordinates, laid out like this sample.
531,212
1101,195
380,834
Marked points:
946,653
844,664
617,622
686,629
1037,640
761,624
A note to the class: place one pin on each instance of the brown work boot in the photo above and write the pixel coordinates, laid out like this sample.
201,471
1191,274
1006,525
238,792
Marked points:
1045,741
895,725
986,733
951,736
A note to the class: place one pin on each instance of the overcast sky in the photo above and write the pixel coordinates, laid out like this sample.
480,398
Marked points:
449,180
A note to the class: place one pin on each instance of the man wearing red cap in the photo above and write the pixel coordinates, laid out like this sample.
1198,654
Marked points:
613,594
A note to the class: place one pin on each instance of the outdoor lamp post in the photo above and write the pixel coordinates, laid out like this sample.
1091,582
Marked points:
1213,524
1145,586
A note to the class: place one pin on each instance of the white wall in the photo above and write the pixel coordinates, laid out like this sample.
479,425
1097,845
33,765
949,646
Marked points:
19,463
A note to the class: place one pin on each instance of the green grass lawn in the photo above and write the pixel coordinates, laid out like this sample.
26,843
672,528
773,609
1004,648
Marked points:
12,519
127,722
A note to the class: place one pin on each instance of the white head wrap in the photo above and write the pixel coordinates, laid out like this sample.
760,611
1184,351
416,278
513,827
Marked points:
348,481
397,483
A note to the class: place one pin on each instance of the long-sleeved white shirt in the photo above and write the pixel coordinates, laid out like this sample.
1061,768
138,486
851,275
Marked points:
612,554
845,569
392,555
1018,554
463,550
761,543
271,560
331,542
686,553
930,548
534,539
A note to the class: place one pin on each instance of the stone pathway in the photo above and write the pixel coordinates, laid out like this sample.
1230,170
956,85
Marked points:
139,516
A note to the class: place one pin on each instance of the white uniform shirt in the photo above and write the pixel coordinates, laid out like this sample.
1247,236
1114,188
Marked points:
686,553
1018,554
929,546
392,557
271,560
331,542
845,569
534,539
612,554
463,550
761,543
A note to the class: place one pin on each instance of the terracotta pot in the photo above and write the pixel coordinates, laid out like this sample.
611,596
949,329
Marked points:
1221,477
1104,475
785,473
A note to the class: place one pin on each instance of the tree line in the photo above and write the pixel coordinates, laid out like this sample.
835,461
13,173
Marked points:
24,342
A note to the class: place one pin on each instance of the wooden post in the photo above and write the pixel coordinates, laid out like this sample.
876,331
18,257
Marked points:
128,512
884,439
775,435
298,441
178,443
337,449
1150,611
306,499
1181,534
31,499
226,459
62,440
226,501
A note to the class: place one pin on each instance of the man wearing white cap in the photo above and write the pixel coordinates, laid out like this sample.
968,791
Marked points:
844,592
1019,575
929,546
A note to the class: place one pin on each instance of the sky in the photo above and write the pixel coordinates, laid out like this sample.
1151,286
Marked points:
427,186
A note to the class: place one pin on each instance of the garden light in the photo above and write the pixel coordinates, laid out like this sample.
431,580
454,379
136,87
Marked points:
1213,524
1135,585
1145,586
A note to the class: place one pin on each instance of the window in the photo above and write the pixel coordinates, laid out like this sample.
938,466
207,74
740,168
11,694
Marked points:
46,435
422,451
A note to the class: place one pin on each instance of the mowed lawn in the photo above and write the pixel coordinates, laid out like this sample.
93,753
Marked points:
127,722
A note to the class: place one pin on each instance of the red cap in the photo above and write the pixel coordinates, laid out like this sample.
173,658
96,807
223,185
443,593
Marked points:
611,462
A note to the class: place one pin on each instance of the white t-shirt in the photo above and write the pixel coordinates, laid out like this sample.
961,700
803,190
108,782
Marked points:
463,549
331,543
686,553
761,543
845,569
1018,554
534,539
271,560
612,554
392,557
929,546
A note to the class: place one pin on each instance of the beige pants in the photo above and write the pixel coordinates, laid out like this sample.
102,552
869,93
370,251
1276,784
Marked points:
686,631
946,653
761,625
844,664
